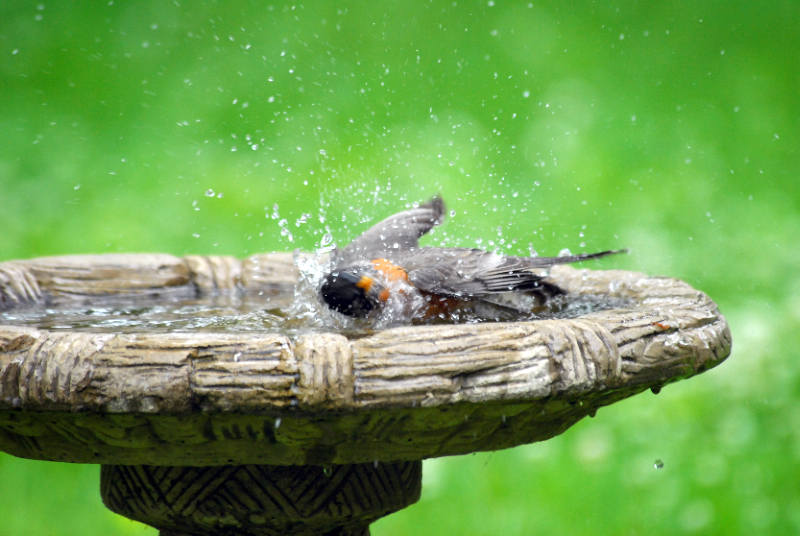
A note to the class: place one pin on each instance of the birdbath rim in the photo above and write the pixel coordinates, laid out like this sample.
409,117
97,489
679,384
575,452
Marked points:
404,393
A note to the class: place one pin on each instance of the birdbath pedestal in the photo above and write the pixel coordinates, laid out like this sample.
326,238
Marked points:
258,433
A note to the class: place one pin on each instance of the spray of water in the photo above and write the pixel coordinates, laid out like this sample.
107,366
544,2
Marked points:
306,307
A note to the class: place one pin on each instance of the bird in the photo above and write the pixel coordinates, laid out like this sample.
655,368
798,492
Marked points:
386,265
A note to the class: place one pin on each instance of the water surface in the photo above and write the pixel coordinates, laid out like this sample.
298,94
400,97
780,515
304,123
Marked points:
255,312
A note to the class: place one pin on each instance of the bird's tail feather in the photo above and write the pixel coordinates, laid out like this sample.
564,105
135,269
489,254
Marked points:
542,262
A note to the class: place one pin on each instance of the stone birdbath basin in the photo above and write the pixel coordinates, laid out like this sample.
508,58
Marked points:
264,433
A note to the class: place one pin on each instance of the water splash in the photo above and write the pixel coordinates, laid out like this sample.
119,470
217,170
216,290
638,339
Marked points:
306,307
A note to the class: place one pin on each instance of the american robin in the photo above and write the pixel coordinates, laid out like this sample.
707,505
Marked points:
386,264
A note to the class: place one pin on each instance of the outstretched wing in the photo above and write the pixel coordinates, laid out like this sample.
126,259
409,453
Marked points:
396,233
472,273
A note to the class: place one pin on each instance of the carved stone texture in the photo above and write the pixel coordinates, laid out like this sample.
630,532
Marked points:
407,393
83,277
261,499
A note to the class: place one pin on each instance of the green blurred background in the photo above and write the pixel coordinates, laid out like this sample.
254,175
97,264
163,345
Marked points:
670,128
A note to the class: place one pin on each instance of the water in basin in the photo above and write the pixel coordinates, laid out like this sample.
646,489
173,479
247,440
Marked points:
253,312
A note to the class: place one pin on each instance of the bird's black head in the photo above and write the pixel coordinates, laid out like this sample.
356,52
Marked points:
352,291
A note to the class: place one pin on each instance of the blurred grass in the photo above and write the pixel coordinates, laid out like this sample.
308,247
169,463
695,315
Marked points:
668,128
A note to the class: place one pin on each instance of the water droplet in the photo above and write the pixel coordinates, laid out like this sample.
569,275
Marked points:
659,464
278,422
327,470
219,195
209,193
327,238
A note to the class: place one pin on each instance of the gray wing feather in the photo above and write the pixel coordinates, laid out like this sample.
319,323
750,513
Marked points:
396,233
472,273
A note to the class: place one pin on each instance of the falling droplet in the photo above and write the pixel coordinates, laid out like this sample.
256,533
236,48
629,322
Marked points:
327,470
327,238
278,422
209,193
659,464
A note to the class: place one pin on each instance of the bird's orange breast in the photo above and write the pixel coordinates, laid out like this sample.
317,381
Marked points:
391,271
437,305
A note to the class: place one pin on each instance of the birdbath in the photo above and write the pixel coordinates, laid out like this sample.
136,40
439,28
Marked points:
260,433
